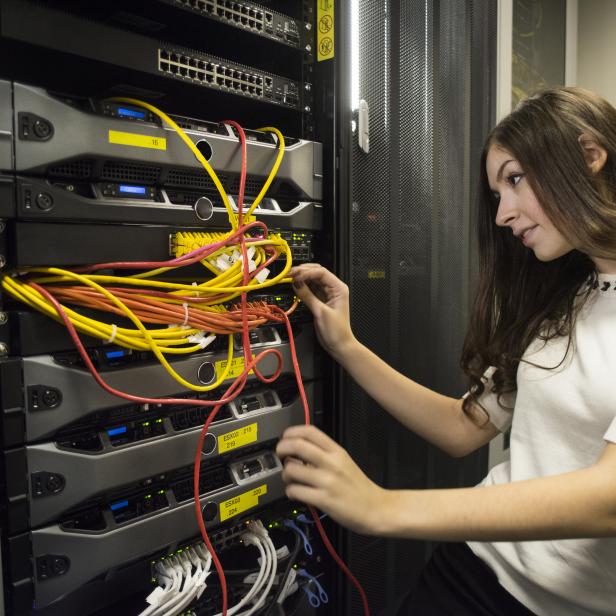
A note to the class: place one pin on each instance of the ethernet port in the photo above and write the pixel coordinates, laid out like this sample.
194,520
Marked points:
192,73
251,23
268,82
164,66
209,78
228,82
210,67
251,13
183,71
220,70
174,57
228,14
237,75
185,60
200,75
260,80
164,54
174,69
220,81
244,20
251,89
221,12
201,65
259,27
269,18
244,87
259,15
192,62
244,10
259,92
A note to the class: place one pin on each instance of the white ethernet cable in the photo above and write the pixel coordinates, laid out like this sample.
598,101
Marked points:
185,570
167,575
250,538
194,585
171,593
256,527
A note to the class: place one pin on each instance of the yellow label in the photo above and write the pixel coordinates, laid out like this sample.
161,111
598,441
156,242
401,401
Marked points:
237,367
138,141
325,30
241,503
238,438
376,274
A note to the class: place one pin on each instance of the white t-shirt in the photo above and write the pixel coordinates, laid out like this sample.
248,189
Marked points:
561,421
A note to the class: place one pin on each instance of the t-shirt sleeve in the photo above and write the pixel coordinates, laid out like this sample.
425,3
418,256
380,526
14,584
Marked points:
499,416
610,435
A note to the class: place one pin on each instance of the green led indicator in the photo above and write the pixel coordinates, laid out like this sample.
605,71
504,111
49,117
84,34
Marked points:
161,492
159,421
146,423
148,496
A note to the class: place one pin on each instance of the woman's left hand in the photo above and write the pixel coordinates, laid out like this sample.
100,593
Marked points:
319,472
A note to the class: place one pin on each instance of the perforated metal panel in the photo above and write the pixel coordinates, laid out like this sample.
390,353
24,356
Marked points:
425,74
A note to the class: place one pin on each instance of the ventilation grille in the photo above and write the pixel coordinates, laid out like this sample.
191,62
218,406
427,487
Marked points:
74,169
191,178
130,172
253,186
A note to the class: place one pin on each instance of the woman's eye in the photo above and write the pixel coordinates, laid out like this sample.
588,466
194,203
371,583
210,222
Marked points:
515,178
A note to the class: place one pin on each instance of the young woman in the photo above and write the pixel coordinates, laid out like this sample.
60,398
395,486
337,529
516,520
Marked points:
539,535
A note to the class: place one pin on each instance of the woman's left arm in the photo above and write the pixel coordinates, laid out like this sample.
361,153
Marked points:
578,504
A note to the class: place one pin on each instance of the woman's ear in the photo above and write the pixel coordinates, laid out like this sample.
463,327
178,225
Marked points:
594,154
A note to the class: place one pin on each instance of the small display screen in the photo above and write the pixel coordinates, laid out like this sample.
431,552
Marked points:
124,112
116,431
132,190
115,354
119,505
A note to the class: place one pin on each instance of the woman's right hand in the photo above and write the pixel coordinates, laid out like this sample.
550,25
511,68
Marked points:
327,297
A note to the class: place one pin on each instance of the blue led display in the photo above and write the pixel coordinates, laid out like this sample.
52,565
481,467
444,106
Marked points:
114,354
118,505
116,431
133,190
123,112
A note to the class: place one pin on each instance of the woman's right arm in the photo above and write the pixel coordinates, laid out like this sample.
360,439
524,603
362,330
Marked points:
437,418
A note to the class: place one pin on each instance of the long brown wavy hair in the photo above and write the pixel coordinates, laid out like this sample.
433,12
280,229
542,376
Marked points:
520,298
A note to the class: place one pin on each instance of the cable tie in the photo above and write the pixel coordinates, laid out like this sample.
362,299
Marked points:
222,264
262,275
114,333
194,284
185,306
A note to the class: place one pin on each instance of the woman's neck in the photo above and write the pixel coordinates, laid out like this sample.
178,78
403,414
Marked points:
605,266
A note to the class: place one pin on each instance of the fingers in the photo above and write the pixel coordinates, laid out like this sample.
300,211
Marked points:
300,449
313,272
312,435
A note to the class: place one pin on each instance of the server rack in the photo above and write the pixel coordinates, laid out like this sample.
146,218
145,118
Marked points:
98,491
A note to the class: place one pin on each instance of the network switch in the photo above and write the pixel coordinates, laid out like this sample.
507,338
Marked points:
253,18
